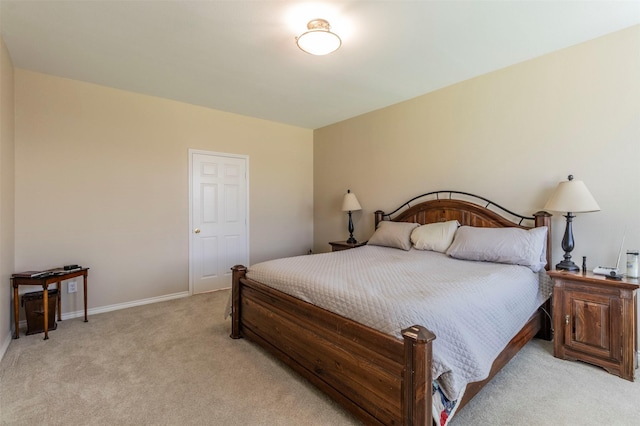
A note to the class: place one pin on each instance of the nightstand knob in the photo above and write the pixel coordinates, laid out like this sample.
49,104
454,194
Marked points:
566,319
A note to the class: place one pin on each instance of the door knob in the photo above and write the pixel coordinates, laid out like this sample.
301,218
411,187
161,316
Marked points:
197,230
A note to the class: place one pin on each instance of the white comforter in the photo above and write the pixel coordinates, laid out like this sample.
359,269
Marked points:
474,308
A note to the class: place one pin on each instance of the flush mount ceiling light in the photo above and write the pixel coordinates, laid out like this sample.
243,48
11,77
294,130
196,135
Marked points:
318,40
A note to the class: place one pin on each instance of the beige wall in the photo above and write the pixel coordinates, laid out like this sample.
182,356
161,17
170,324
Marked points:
510,136
101,175
6,193
102,181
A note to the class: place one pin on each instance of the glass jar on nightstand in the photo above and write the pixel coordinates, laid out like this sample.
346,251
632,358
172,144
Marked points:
633,257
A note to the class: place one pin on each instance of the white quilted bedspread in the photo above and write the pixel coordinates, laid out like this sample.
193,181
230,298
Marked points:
474,308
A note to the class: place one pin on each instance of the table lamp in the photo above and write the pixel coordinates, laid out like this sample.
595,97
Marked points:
350,204
571,197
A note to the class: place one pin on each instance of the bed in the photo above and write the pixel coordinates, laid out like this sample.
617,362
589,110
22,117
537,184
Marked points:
383,378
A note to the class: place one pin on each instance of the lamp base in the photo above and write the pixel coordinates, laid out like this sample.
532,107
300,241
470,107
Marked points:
567,265
351,240
568,245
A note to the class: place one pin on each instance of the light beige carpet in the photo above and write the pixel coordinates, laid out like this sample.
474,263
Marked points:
172,363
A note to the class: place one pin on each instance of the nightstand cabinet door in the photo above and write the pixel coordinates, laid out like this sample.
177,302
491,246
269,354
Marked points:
592,324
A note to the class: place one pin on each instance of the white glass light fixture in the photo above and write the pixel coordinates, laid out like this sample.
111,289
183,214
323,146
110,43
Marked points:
571,196
319,40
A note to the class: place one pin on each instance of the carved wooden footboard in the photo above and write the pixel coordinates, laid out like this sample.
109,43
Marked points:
368,372
381,379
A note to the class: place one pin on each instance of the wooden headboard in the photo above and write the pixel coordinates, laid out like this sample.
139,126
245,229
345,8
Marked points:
473,210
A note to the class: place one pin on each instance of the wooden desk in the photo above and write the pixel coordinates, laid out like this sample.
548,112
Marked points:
44,281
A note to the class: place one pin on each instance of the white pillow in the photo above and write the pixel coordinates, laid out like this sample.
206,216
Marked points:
393,234
434,236
501,245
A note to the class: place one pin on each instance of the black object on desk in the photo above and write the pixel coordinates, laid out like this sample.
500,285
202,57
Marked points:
613,276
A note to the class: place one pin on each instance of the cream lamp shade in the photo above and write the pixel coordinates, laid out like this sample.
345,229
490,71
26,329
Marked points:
571,197
350,202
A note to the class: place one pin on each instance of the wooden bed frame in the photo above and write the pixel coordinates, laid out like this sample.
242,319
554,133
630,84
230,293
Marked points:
379,378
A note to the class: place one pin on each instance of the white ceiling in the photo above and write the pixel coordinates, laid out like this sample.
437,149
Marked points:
240,56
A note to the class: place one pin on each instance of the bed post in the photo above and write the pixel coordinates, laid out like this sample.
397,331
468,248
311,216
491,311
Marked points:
239,271
543,218
546,328
416,383
378,216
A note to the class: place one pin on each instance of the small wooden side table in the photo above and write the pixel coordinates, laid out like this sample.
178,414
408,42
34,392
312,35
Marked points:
343,245
595,321
56,277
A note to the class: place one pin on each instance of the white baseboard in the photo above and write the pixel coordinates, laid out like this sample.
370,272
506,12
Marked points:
118,306
99,310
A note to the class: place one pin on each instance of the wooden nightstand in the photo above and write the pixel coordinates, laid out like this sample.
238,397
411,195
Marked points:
343,245
595,320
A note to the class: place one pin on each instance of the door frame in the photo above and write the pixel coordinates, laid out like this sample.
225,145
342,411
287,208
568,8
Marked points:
190,230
